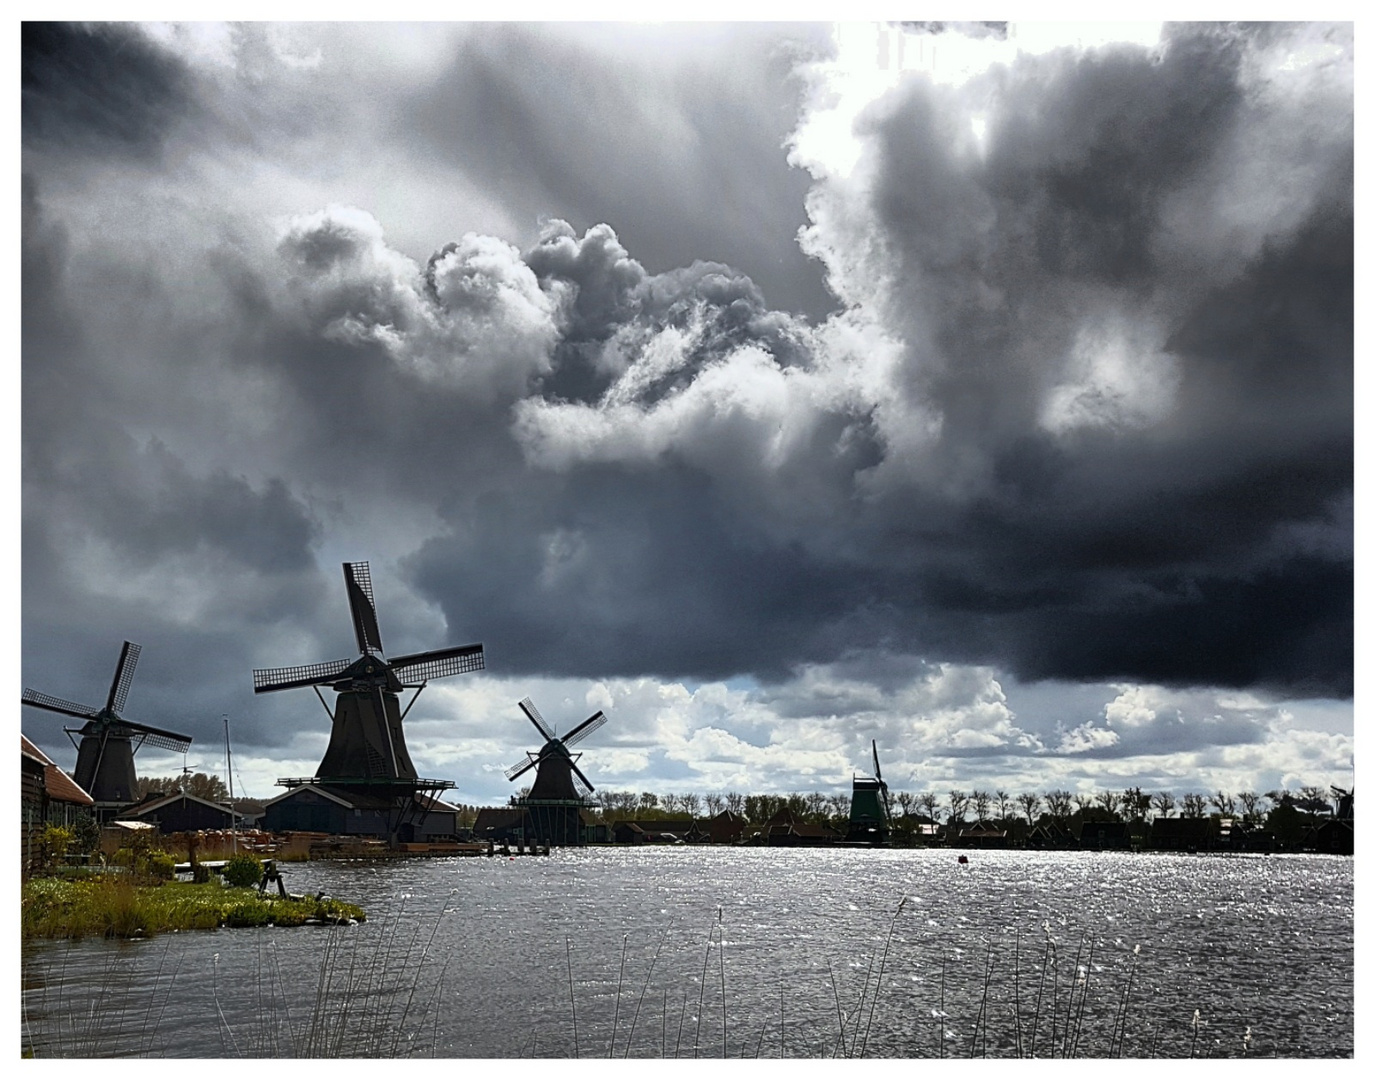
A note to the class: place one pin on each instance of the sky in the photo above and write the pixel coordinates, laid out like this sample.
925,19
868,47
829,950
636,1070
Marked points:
982,390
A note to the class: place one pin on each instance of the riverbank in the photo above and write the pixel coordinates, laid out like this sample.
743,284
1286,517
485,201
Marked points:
111,905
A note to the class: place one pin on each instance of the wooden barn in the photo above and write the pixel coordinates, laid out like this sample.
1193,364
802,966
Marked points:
340,811
725,828
180,812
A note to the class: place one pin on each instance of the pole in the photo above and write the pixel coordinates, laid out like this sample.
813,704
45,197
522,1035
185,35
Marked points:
229,769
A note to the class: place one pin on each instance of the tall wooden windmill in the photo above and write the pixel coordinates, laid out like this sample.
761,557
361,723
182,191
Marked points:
367,746
106,743
870,812
559,793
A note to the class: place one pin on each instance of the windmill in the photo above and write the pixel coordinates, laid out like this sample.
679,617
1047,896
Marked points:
108,742
367,748
560,789
870,811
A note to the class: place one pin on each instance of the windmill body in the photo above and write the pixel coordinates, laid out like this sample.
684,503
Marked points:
367,756
106,742
557,798
870,814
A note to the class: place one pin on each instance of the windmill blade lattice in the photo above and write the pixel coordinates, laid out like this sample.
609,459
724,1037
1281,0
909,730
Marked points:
288,678
528,707
124,675
57,705
422,667
522,766
358,579
581,783
583,730
147,734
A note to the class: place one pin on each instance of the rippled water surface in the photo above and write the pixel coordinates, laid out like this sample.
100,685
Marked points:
742,951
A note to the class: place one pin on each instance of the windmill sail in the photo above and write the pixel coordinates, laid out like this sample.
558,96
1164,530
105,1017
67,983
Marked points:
367,744
106,742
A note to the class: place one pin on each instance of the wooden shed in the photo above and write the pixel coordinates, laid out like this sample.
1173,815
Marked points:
180,812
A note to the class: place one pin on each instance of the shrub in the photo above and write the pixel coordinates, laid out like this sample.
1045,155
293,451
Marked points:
161,865
54,842
243,871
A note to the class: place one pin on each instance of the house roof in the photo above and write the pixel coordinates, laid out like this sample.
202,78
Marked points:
349,800
158,802
60,786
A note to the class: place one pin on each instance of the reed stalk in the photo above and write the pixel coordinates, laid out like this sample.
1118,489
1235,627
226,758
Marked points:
1083,997
981,1016
572,1001
1054,995
940,1020
620,979
1069,1004
701,996
859,1010
1017,988
721,957
840,1017
879,981
681,1014
1040,987
1119,1027
636,1019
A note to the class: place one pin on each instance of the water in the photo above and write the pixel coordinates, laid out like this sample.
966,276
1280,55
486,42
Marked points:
742,951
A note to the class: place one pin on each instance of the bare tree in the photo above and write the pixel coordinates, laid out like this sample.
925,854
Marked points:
1082,802
715,801
1192,805
906,802
1250,807
691,803
1223,803
1004,804
1313,799
648,800
1030,803
1058,805
1135,802
930,802
981,801
735,802
1109,801
1163,802
959,805
839,806
671,803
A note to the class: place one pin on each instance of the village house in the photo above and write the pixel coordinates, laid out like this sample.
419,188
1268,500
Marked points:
48,796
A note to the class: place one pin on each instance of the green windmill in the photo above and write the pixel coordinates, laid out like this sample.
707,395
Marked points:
870,812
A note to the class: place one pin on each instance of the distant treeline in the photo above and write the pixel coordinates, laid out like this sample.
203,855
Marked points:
958,807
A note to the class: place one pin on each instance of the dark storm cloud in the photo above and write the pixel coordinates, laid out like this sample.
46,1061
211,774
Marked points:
1087,413
98,87
681,158
1125,437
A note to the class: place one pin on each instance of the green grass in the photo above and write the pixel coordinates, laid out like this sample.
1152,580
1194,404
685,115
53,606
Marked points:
115,906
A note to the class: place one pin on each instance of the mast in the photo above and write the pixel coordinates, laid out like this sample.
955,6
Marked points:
229,769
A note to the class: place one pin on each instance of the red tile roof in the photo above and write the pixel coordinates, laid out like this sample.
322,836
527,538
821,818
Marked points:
60,786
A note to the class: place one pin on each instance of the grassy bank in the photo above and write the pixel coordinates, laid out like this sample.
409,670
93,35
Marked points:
117,906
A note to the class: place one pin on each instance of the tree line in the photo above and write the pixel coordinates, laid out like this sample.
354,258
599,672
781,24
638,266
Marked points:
958,807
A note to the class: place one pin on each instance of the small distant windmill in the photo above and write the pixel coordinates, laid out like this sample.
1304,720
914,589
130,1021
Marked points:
560,789
870,810
367,748
107,742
